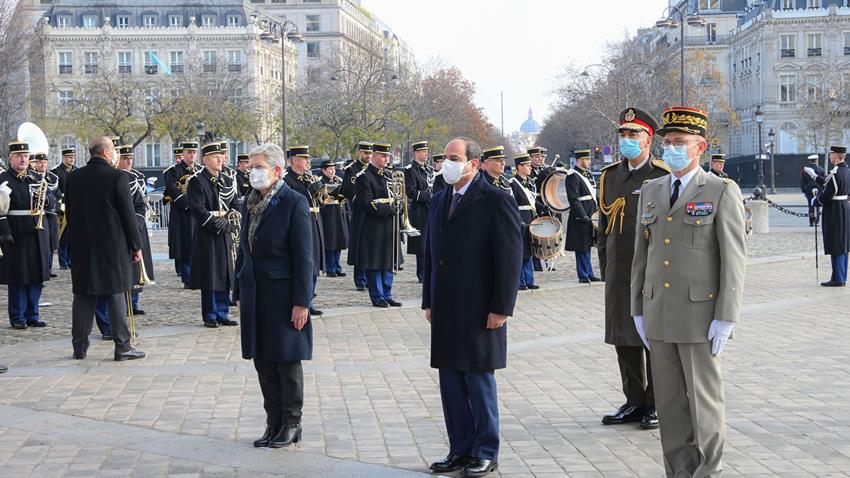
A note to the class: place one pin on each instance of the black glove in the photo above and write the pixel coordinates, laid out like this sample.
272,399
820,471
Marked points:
7,240
222,225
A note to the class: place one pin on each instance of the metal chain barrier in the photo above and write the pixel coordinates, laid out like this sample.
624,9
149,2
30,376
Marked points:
778,207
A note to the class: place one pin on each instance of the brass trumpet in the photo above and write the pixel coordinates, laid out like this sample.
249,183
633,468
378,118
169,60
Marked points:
40,202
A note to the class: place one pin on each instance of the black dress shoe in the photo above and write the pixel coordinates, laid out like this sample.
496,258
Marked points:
3,368
479,467
63,268
315,312
382,305
450,463
832,283
330,274
649,420
19,325
533,287
341,274
361,288
79,355
595,279
523,287
267,436
626,414
131,354
53,276
36,323
228,322
393,303
288,435
584,280
210,324
138,312
106,337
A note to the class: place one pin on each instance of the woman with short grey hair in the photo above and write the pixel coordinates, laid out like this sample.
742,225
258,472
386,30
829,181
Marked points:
274,286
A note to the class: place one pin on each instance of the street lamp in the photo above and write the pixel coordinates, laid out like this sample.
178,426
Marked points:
759,192
285,30
771,135
687,13
200,129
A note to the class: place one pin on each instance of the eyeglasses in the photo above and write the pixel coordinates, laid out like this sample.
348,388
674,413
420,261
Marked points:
678,143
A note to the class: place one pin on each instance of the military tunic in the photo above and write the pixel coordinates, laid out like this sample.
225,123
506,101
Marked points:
418,183
523,191
243,183
439,182
51,212
836,210
372,239
719,174
581,193
334,219
212,264
302,185
180,220
138,192
62,172
25,261
349,190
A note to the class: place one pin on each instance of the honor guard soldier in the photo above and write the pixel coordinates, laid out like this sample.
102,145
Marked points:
178,154
836,215
69,156
439,180
523,191
349,190
24,240
686,290
418,184
299,178
493,168
619,194
210,196
51,204
374,237
180,222
138,191
334,220
243,182
811,177
718,161
581,194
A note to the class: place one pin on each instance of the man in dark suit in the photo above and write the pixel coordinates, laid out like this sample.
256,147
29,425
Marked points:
581,192
418,182
809,177
473,256
105,242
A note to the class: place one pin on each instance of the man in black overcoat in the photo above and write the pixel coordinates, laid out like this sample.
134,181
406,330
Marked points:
69,156
349,190
23,266
180,222
809,177
473,256
418,184
105,242
334,220
211,193
836,215
581,193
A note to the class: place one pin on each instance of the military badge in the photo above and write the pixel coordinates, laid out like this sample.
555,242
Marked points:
630,115
699,208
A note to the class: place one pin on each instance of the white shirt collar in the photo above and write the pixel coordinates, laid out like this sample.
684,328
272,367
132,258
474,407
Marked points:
642,164
462,190
684,179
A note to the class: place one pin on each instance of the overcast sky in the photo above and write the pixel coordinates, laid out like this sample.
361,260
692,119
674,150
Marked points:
515,46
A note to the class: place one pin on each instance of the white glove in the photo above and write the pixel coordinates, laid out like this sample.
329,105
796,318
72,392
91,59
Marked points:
810,172
719,332
4,189
641,331
814,192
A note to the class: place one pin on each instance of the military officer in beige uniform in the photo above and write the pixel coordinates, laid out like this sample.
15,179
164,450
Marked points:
687,284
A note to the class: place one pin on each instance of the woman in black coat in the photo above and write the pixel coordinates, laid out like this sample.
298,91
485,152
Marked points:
274,286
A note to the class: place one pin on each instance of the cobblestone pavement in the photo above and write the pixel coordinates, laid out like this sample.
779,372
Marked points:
372,405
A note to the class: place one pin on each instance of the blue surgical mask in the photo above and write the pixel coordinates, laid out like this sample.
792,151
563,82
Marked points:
630,148
676,158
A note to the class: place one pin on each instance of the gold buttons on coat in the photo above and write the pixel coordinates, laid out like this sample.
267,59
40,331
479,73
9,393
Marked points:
698,221
666,285
666,263
667,242
710,296
669,218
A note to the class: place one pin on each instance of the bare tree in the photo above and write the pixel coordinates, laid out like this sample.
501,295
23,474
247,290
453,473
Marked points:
15,49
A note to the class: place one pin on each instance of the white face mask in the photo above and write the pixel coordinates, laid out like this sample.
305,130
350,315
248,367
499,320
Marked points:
453,171
259,178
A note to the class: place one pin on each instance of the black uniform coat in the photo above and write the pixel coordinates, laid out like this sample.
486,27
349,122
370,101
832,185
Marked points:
807,183
372,239
62,172
137,191
180,222
335,219
472,267
25,261
243,183
523,192
616,182
719,174
273,276
349,190
301,185
418,190
579,226
439,182
102,228
212,262
836,213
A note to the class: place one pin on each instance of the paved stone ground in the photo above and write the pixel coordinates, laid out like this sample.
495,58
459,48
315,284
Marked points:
372,405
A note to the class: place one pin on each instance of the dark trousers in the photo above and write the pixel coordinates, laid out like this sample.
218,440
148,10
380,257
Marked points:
380,284
636,373
839,268
332,265
282,384
526,276
214,305
23,303
184,268
82,316
583,265
101,315
64,255
420,267
359,277
471,410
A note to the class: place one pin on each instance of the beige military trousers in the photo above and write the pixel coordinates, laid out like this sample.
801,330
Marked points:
691,408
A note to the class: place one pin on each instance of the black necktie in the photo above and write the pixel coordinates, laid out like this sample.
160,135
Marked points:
455,201
675,195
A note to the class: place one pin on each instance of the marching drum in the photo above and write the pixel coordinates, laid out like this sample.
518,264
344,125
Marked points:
547,237
553,190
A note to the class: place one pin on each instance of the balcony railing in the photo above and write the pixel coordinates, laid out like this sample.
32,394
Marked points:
91,69
66,69
125,68
813,52
177,69
788,53
706,40
151,69
234,67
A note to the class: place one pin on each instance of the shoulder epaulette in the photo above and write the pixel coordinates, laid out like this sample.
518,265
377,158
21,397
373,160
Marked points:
360,173
408,166
660,164
611,166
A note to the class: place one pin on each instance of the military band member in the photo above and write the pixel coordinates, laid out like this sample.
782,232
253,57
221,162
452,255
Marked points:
523,191
810,176
418,183
493,168
334,220
349,190
180,221
686,290
243,181
581,193
299,178
51,205
178,154
836,215
537,164
210,196
619,194
439,180
69,157
23,266
138,191
373,238
718,161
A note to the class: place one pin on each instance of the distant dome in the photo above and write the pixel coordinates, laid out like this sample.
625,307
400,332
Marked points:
530,126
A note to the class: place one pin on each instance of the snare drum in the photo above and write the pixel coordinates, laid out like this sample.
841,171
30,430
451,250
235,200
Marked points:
547,237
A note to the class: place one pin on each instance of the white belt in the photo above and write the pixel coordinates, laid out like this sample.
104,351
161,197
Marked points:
20,212
836,198
526,208
585,198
